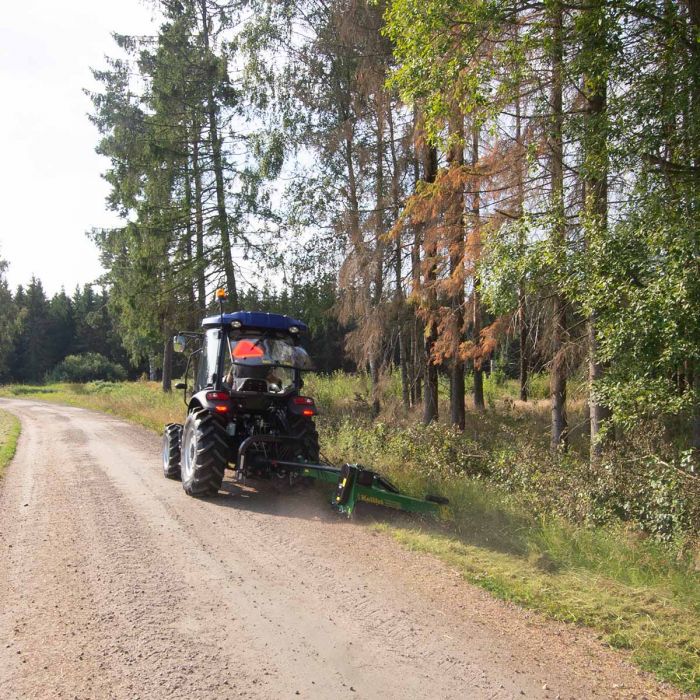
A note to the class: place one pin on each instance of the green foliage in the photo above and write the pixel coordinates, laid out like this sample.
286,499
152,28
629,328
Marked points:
631,485
649,270
86,368
9,433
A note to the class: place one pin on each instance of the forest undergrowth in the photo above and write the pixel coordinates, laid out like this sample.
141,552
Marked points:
614,547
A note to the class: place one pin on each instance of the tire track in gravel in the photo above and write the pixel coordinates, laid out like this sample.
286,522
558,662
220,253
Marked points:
115,584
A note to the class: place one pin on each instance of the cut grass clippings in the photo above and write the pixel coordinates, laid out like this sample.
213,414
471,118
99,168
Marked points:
632,591
9,433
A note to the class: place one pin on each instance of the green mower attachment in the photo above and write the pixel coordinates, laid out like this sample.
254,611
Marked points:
353,482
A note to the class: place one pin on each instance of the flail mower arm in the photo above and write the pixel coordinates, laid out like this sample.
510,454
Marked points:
353,481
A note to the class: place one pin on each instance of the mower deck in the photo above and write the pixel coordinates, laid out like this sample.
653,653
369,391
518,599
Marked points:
353,481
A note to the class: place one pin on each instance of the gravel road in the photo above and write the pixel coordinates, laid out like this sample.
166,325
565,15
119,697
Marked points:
115,584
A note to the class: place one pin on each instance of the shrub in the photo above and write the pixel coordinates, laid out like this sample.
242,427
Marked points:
87,367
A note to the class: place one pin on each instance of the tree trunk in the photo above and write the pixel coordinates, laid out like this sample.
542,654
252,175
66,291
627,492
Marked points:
596,197
398,274
479,404
168,361
557,379
418,362
217,161
430,402
403,364
519,210
455,220
598,412
522,343
378,245
199,226
191,263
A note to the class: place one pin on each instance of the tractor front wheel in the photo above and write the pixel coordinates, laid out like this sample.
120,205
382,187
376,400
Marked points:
171,450
204,454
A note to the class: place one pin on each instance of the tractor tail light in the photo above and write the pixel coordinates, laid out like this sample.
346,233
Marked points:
307,405
218,396
303,401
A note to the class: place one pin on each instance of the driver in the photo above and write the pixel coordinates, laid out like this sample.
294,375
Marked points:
238,375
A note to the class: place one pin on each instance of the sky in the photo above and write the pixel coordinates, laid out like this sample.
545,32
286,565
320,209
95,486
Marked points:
51,189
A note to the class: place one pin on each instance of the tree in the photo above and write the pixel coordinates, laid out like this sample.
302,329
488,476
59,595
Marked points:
32,354
7,325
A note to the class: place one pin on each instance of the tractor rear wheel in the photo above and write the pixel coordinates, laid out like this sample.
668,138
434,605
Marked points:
171,451
204,454
307,448
310,442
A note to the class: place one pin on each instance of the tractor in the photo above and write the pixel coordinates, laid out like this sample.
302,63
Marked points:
246,412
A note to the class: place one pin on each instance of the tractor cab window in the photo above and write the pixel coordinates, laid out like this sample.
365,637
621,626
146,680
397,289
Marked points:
264,364
208,359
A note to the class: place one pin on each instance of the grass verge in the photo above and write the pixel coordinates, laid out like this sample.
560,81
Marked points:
657,620
9,433
639,595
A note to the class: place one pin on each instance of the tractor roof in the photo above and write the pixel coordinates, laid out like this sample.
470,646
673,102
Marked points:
256,320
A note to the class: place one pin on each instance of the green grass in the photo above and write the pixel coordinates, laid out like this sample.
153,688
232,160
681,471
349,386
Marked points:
656,617
521,524
9,433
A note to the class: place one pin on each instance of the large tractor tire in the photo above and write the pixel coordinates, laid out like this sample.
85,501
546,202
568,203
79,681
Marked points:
204,454
172,438
307,449
310,442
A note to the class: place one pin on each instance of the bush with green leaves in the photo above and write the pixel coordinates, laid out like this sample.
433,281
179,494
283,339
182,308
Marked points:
637,483
87,367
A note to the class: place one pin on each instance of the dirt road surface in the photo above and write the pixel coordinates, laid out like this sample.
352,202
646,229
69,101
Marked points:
115,584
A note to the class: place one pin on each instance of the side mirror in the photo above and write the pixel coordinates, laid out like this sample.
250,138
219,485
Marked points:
180,385
179,343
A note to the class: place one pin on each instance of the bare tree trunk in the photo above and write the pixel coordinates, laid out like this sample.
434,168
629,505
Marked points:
520,194
557,382
416,333
191,265
418,362
199,225
478,394
522,344
398,275
596,205
168,360
430,403
378,244
557,377
455,220
217,161
599,413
